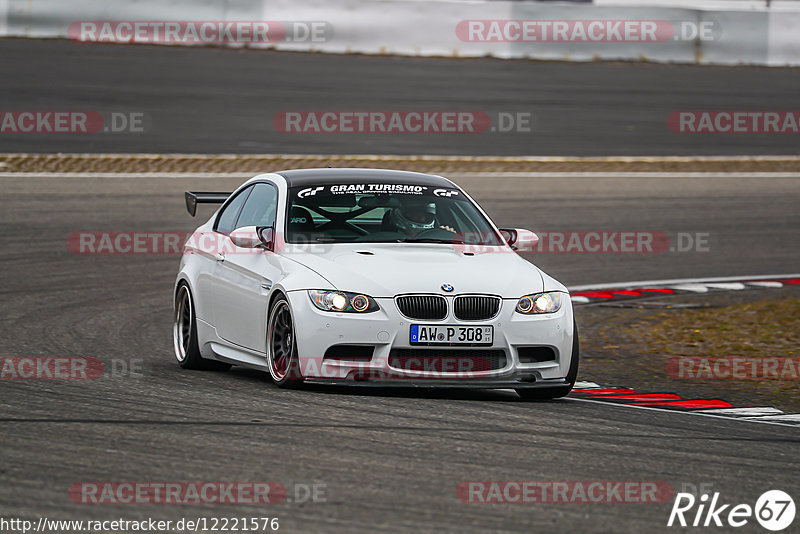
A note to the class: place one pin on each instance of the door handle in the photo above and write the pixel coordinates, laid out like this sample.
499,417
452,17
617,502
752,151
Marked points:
219,256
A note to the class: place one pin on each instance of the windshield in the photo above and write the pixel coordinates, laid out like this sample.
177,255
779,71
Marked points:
384,213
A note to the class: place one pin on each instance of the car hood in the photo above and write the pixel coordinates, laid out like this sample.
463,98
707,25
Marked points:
386,270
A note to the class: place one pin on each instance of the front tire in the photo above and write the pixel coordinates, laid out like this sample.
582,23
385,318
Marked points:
184,335
282,359
572,375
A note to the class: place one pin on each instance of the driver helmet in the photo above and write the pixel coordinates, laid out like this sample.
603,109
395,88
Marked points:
414,216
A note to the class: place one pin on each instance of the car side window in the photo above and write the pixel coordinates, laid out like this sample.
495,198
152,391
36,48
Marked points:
260,207
227,218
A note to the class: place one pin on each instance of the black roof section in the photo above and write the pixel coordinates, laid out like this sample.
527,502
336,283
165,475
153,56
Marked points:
308,177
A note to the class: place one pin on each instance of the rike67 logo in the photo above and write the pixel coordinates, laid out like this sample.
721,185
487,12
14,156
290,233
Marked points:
774,510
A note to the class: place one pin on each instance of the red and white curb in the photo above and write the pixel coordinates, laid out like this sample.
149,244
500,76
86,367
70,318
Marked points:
660,401
598,293
622,396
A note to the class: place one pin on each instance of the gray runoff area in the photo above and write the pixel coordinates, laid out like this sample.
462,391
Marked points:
391,461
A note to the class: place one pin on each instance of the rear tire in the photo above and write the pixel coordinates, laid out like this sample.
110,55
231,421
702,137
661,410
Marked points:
572,375
282,359
184,335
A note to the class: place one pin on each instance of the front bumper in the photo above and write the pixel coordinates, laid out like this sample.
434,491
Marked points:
387,329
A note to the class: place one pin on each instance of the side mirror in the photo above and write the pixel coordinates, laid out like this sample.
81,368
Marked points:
266,234
252,237
520,239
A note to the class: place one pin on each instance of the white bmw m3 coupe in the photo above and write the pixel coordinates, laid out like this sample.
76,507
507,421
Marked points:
369,277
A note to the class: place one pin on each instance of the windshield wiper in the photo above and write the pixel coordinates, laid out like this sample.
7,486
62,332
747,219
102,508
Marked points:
430,240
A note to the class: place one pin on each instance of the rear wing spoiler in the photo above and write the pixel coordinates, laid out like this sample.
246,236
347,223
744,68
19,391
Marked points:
193,199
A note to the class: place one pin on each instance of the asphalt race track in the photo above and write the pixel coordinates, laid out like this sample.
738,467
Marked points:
386,461
390,461
212,100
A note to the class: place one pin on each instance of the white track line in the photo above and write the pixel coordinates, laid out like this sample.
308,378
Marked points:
765,284
426,157
694,288
454,175
733,286
751,412
241,175
781,417
761,420
620,174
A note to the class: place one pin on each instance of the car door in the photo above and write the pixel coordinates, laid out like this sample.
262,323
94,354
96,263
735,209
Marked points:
210,252
245,275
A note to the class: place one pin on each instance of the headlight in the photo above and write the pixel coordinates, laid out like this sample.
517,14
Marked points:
539,303
340,301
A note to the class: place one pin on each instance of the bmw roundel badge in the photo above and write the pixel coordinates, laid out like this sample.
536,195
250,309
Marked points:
447,287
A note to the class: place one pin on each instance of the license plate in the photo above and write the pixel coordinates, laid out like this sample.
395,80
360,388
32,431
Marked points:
451,335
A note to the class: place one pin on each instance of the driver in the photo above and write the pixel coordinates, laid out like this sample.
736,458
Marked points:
415,215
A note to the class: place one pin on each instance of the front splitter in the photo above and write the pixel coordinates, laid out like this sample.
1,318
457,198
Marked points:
440,383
